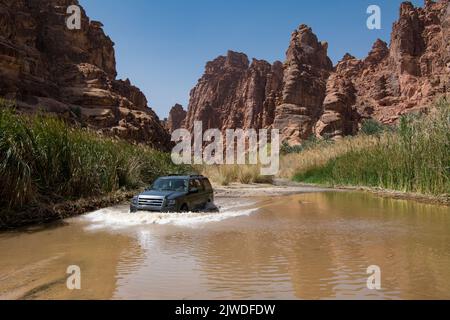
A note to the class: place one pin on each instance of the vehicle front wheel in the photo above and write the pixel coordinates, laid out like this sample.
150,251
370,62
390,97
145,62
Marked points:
184,208
133,210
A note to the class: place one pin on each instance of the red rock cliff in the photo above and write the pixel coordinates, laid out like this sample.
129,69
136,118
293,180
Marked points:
236,94
177,117
306,71
308,96
389,82
71,73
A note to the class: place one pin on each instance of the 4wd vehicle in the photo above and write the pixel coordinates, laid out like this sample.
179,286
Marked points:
175,194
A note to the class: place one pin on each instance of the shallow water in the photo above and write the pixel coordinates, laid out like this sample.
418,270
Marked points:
309,246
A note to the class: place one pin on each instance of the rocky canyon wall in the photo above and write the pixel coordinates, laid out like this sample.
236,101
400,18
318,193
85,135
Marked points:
177,117
307,96
234,93
71,73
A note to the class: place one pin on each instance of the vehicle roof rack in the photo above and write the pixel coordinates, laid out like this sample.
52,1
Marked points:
186,175
197,176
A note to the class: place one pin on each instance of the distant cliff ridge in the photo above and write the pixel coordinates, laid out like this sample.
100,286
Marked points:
71,73
307,96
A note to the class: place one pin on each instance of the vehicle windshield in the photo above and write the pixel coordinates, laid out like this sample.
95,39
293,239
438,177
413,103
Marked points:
179,185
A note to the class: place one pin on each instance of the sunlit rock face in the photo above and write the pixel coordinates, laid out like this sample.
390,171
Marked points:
177,118
71,73
234,93
410,74
391,81
339,116
307,96
306,71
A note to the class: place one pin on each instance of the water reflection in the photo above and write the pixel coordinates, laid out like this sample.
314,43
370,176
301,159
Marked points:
33,265
310,246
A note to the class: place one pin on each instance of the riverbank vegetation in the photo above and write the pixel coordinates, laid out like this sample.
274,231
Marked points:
43,160
224,175
413,157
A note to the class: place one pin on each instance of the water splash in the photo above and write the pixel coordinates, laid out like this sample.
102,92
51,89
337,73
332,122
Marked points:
120,217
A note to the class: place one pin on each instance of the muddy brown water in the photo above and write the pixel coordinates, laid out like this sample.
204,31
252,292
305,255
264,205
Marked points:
306,246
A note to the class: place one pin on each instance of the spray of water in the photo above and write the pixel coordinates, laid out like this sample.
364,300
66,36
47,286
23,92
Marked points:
120,217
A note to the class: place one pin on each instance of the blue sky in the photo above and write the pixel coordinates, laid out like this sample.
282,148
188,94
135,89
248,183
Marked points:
163,45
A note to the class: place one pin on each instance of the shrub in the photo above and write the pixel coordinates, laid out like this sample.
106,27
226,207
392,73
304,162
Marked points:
43,159
415,158
372,127
226,174
310,143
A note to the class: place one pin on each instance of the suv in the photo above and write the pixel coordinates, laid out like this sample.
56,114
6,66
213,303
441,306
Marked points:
175,194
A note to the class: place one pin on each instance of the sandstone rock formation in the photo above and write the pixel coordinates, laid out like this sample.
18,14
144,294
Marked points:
339,117
177,117
410,74
391,81
236,94
71,73
308,96
306,71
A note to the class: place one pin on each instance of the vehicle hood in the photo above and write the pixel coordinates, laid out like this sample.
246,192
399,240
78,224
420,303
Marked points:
164,194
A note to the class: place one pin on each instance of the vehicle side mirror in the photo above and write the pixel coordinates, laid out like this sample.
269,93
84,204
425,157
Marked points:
193,190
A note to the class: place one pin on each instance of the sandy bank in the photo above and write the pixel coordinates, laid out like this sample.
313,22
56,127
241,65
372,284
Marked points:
53,212
285,187
45,213
280,188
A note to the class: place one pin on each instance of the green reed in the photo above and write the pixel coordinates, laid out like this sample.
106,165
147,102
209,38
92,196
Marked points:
42,159
413,158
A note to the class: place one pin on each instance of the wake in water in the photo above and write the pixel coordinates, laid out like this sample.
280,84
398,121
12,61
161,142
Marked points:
120,216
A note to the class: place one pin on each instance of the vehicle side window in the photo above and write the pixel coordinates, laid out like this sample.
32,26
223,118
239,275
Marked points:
192,184
207,184
199,185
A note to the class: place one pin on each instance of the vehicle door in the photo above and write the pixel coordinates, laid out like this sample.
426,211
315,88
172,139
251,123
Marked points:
203,196
209,192
193,197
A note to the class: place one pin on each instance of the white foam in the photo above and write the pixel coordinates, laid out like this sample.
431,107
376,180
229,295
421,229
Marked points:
120,217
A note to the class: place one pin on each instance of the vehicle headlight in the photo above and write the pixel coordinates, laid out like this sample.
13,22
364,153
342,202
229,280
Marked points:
171,202
135,200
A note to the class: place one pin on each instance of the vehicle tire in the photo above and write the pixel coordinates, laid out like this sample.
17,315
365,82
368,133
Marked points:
133,210
209,204
184,208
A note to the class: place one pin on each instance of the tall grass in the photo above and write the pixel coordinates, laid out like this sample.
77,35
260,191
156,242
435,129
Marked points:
43,159
414,158
320,154
226,174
